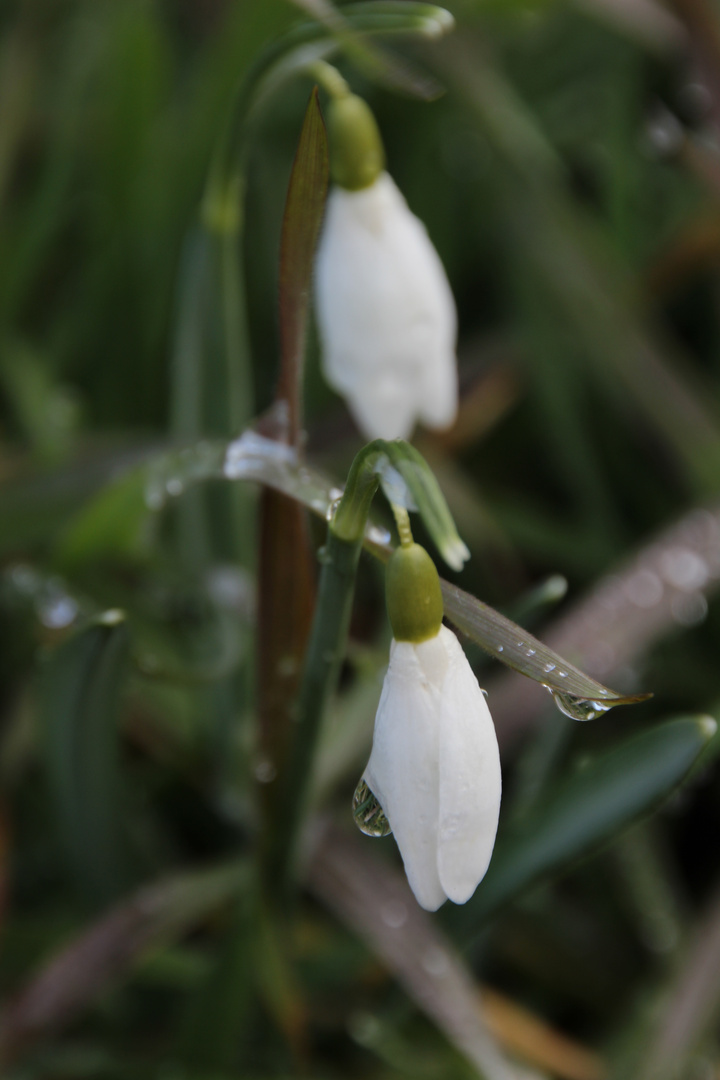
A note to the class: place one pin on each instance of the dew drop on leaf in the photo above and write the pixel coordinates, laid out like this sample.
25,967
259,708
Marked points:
578,708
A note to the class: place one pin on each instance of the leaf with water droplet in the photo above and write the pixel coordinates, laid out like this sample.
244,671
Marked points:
579,708
368,814
574,692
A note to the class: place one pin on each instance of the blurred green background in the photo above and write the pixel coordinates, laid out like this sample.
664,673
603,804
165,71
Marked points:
569,176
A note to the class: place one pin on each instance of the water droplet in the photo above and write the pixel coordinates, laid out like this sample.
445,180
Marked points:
394,914
499,648
562,674
578,708
332,508
368,814
530,652
548,668
57,611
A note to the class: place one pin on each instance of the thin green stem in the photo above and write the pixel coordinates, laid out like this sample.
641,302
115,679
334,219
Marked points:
329,78
402,520
325,651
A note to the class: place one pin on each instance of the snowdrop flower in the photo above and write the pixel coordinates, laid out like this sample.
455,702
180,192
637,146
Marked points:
385,312
435,765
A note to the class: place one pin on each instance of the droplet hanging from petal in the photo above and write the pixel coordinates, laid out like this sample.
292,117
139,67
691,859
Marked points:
368,814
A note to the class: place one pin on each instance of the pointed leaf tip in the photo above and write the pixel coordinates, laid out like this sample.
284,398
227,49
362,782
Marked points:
574,692
304,209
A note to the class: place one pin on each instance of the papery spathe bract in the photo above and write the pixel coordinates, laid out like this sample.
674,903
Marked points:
435,768
385,313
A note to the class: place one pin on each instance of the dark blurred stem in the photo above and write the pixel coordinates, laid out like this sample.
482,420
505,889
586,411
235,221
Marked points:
325,651
689,1009
287,578
285,607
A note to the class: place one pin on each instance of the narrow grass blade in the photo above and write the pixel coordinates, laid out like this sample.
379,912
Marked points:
105,953
211,385
78,698
376,903
286,574
304,210
575,693
591,805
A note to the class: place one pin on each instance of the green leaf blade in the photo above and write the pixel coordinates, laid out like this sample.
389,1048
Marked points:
588,808
78,693
302,220
575,693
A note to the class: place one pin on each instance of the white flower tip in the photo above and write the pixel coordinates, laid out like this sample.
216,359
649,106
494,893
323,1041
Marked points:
439,23
455,553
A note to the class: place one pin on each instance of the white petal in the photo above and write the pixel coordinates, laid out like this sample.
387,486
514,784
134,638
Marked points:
403,769
470,778
385,312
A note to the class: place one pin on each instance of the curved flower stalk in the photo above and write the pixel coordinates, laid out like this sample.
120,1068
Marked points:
435,765
385,311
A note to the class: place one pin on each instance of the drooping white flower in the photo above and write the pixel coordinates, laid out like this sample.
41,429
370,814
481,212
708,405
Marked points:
385,311
435,768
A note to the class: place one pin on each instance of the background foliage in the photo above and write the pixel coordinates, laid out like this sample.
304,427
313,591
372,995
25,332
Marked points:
569,177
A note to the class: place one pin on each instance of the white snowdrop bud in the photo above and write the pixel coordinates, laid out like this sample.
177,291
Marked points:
385,312
435,764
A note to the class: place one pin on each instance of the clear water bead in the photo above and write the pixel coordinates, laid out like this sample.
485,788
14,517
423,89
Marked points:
578,708
368,814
